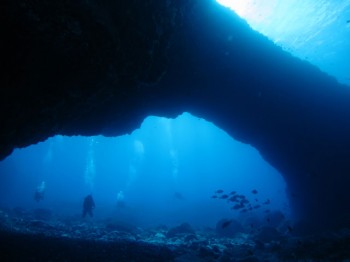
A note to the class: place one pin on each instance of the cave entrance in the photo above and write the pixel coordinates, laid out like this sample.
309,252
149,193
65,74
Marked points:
168,171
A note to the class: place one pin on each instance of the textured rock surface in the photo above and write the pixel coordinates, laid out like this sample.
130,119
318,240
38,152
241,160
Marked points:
99,67
71,239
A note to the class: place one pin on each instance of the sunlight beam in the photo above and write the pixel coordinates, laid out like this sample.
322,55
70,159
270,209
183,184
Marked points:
312,30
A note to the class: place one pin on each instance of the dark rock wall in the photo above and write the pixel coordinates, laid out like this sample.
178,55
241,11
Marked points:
295,115
79,63
88,68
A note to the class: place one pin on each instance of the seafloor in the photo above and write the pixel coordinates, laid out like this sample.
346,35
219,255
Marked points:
30,236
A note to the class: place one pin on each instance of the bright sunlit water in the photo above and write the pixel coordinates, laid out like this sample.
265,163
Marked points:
313,30
166,172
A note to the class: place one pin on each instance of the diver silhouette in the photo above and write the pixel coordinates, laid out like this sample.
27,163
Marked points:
88,206
38,196
39,192
120,199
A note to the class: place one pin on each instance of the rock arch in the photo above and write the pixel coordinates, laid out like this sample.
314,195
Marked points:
101,67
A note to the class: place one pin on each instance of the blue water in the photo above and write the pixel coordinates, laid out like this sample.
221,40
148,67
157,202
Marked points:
313,30
166,172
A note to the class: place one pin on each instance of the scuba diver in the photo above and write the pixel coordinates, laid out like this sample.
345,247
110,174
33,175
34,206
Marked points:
120,199
88,206
39,192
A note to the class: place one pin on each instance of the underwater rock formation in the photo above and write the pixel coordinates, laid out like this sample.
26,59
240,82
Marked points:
184,228
228,227
101,67
74,240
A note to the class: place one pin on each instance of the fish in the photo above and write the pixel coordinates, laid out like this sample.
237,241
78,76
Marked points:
224,196
257,206
219,191
244,201
233,199
178,195
267,202
254,191
237,206
244,210
233,193
226,223
214,196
